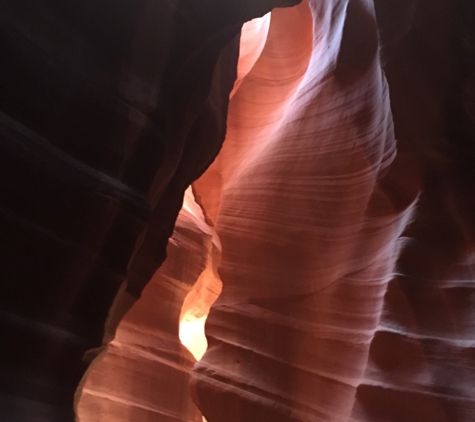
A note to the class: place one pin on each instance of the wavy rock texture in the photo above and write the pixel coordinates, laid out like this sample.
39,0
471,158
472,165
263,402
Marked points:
309,202
269,87
312,204
278,354
421,365
108,111
144,372
341,299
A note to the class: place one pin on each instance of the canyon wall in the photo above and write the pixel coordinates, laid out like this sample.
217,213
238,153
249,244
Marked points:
421,365
108,111
309,216
331,234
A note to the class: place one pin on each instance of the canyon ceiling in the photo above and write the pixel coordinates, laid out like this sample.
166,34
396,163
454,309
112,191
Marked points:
298,174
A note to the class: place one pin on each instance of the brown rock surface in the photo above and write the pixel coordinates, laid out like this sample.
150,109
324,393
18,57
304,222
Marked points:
341,259
143,373
309,221
108,111
421,365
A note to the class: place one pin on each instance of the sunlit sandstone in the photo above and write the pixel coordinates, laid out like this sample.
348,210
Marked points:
303,216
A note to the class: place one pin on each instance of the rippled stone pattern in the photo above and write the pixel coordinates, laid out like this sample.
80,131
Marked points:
334,232
309,208
143,373
108,111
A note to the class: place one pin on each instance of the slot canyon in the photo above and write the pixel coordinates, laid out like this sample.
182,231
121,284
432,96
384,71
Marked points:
237,211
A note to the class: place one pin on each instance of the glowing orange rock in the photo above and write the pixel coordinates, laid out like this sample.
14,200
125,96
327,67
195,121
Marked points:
143,373
309,207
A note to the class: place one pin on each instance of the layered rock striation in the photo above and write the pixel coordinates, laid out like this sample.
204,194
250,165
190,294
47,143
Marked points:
108,111
143,373
309,221
333,232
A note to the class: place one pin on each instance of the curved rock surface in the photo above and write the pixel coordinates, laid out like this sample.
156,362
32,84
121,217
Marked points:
108,111
284,343
335,228
421,365
143,373
308,222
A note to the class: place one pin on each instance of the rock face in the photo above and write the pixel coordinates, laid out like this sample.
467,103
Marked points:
108,111
421,365
309,222
337,217
143,373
